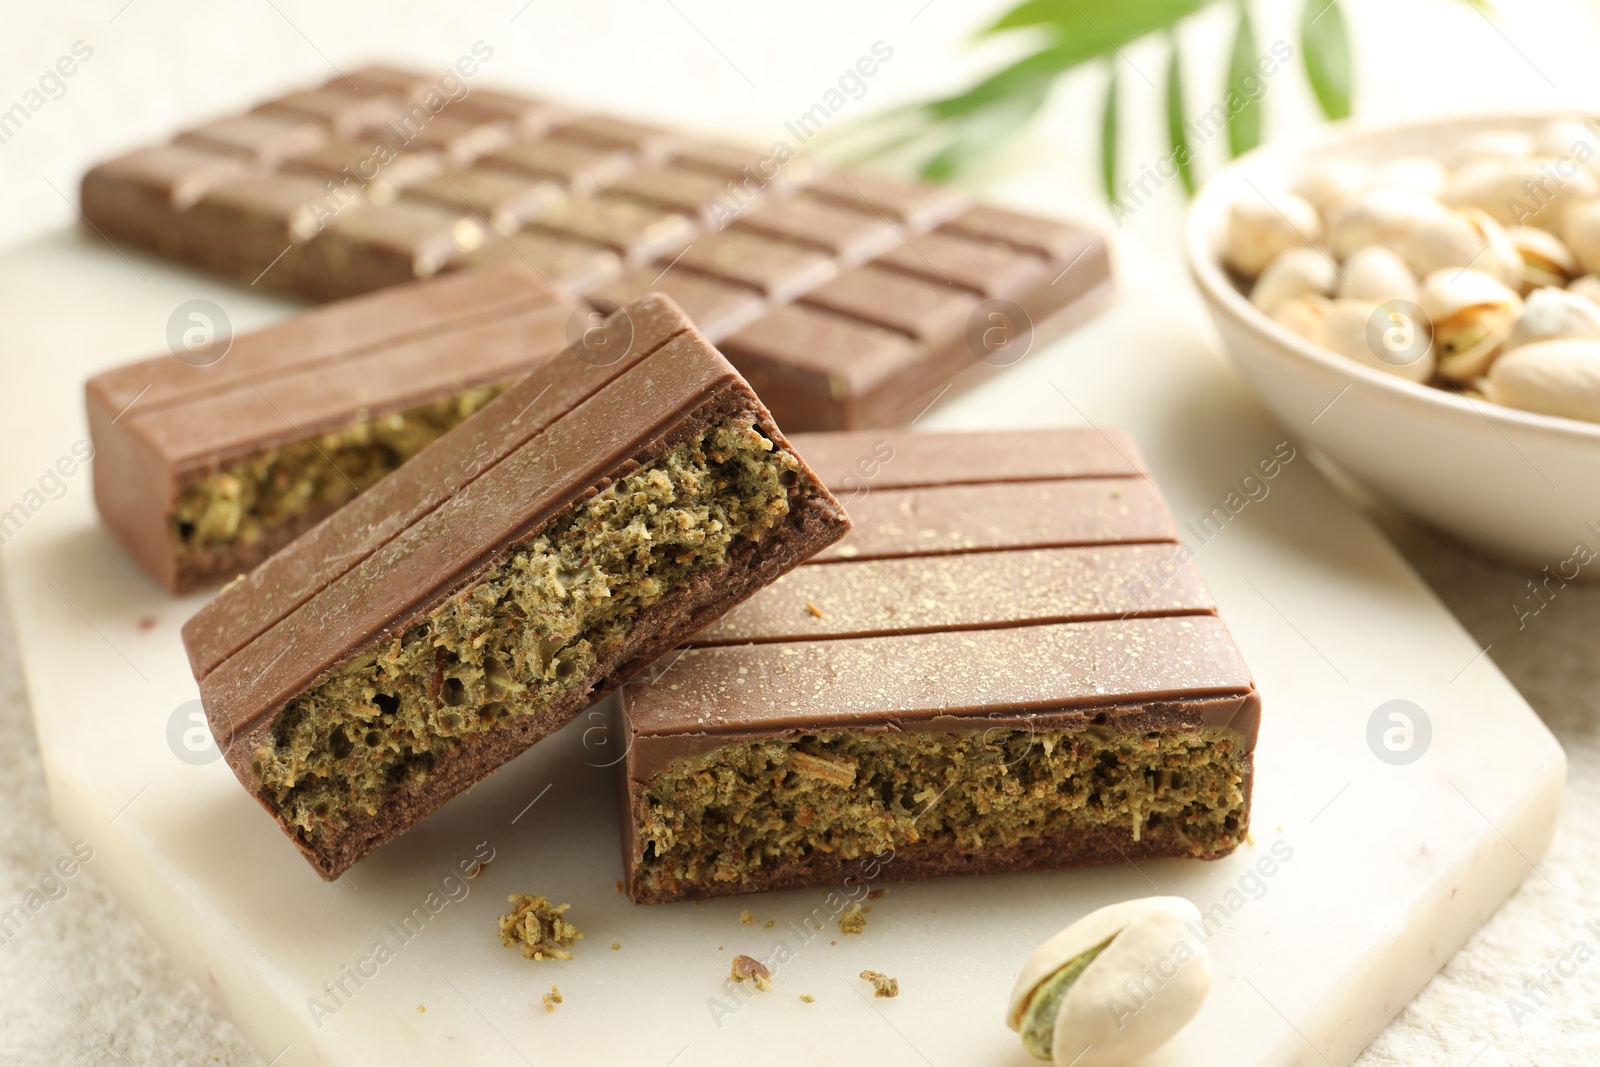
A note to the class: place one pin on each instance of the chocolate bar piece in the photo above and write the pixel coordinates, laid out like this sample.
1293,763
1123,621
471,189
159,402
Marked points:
847,299
204,467
1008,664
597,513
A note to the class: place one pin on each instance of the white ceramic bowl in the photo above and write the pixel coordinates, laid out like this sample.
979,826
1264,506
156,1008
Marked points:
1519,486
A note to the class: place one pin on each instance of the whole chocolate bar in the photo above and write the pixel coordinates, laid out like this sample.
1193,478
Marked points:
1008,664
845,298
203,468
591,517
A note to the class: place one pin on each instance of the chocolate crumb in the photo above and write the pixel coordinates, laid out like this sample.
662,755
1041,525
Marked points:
876,894
537,928
146,623
477,868
748,967
552,998
882,984
851,920
619,885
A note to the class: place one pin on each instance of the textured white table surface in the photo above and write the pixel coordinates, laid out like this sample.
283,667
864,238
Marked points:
84,985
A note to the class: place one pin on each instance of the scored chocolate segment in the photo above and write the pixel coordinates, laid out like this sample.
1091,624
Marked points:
580,167
781,272
504,200
344,113
915,594
317,658
581,196
924,310
269,140
203,470
716,307
1022,702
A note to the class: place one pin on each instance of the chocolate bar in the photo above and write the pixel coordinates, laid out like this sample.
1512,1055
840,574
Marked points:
1008,664
591,517
204,468
847,299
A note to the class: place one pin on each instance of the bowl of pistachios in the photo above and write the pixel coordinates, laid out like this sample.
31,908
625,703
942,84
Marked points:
1420,305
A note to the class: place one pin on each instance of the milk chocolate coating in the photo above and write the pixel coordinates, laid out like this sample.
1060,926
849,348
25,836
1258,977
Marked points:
1028,580
375,567
845,298
159,421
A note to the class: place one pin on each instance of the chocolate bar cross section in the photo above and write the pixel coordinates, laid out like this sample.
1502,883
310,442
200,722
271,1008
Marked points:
1010,663
847,299
531,559
208,461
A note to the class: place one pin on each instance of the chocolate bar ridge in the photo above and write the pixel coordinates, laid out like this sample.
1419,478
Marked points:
669,421
1063,700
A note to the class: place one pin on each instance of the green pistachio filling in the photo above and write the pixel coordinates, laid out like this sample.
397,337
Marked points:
257,495
1039,1013
721,816
527,634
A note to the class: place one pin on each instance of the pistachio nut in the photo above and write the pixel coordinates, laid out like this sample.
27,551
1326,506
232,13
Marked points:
1114,986
1493,144
1379,216
1567,137
1581,231
1260,230
1305,316
1560,377
1472,315
1466,237
1329,182
1537,190
1295,273
1387,337
1376,273
1549,314
1587,287
1546,259
1417,173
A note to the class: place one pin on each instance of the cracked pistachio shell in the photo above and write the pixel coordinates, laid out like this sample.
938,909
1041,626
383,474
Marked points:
1295,273
1549,314
1560,377
1462,238
1546,259
1581,231
1260,230
1472,315
1328,182
1349,330
1536,190
1379,216
1100,1020
1376,273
